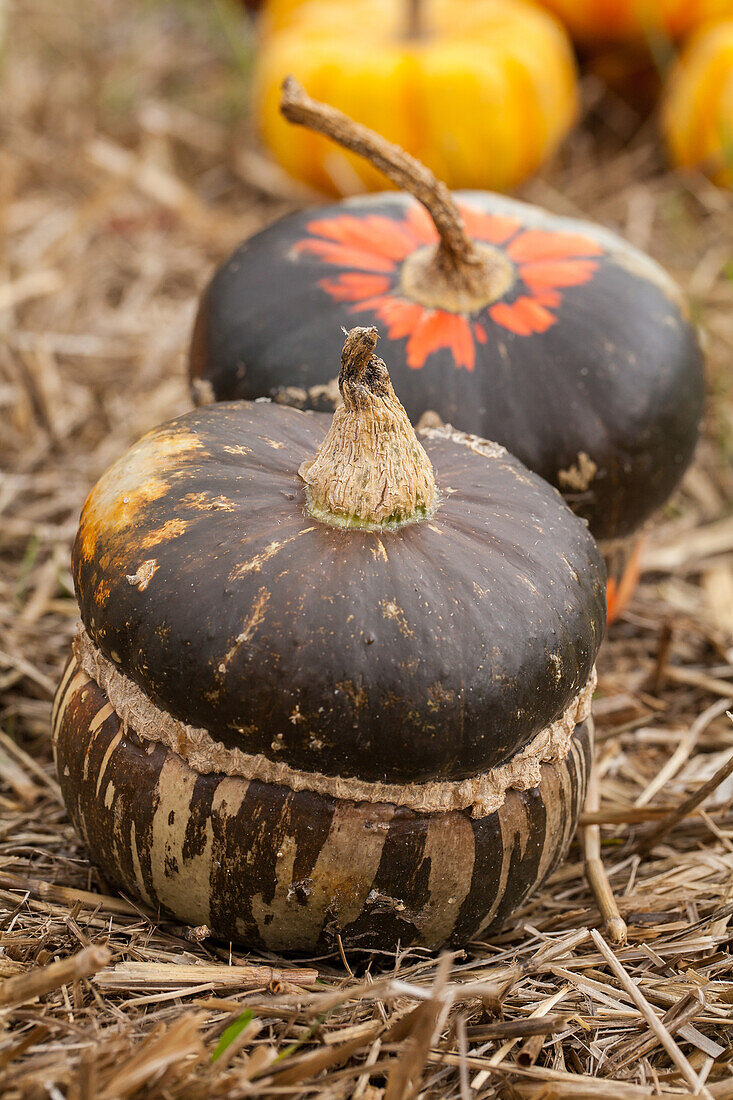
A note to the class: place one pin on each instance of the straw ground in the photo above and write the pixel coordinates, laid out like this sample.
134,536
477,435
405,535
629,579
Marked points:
127,169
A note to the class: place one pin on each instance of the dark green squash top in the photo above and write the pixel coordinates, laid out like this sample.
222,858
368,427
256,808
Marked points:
432,642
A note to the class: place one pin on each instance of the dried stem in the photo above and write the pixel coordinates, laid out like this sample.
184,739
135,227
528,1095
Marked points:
370,470
68,896
457,253
683,751
415,27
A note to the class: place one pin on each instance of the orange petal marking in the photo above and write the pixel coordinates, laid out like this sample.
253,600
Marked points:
399,316
493,228
549,297
523,317
420,224
354,286
424,339
342,256
458,329
558,273
376,233
438,329
538,244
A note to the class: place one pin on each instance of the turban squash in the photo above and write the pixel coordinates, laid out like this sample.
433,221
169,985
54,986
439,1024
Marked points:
482,91
553,336
698,105
316,693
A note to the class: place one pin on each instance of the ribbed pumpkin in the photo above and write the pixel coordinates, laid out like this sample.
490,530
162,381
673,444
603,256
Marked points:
318,693
626,20
549,334
482,91
698,104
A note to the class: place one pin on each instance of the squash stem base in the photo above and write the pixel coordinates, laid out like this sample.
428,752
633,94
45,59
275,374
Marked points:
428,279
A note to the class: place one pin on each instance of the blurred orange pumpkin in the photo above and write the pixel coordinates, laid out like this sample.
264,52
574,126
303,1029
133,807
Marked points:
618,20
278,14
697,114
482,91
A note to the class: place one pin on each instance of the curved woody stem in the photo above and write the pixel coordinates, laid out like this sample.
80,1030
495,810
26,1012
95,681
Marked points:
370,471
414,27
457,258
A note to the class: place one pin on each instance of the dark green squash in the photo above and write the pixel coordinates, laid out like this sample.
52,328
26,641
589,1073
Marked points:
551,335
319,695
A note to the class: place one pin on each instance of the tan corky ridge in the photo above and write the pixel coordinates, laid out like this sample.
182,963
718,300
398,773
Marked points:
482,794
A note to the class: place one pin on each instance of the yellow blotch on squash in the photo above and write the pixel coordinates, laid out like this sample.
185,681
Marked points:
482,94
697,114
112,509
626,20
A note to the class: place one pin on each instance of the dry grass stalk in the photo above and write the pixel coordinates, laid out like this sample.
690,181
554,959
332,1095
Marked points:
588,1089
13,776
687,806
177,1046
651,1017
68,896
683,751
34,1037
632,816
674,1019
426,1024
44,979
24,761
530,1049
595,871
519,1029
498,1056
158,975
698,679
296,1070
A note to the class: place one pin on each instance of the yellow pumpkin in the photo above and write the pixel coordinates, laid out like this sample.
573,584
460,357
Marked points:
481,91
624,20
697,114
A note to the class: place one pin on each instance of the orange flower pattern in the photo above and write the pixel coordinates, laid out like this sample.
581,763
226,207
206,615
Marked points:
373,248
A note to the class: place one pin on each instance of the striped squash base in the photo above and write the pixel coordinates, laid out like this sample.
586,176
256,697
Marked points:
265,866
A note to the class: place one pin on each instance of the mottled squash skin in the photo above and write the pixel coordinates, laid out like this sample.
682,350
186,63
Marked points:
286,871
482,97
697,113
